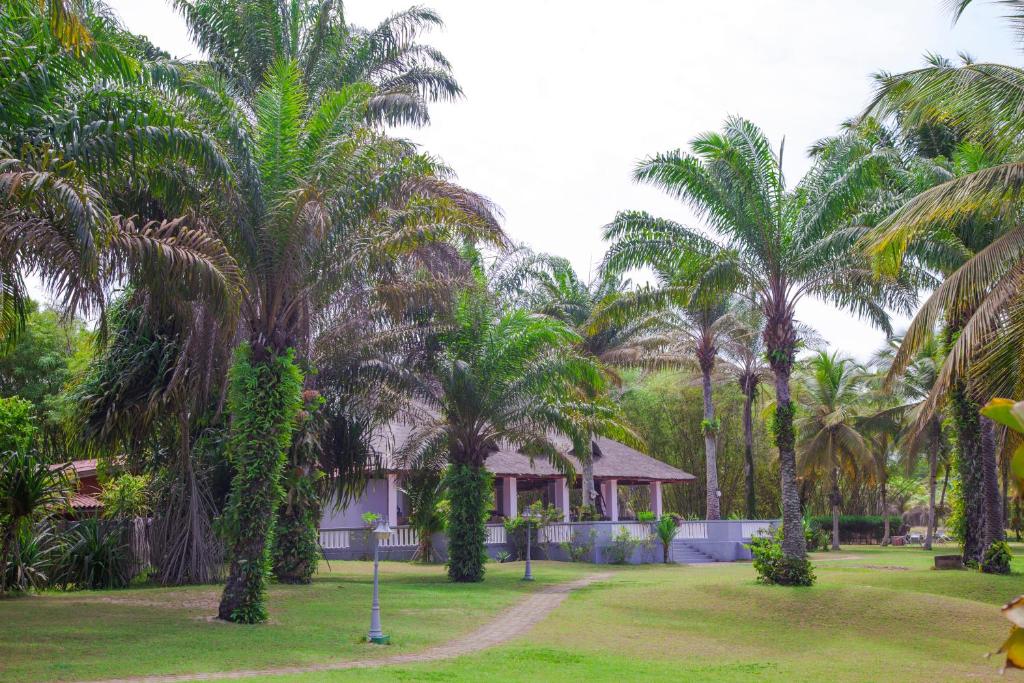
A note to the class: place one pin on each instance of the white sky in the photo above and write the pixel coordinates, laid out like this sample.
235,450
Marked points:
562,98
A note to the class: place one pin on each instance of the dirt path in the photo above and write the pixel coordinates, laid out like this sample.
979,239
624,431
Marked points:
510,623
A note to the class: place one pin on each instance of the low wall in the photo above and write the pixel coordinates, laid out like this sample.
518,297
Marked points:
721,540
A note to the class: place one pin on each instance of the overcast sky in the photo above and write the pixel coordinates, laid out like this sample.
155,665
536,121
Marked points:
562,98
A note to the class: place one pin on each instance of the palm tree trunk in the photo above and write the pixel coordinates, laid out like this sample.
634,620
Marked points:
942,496
587,477
933,466
886,531
995,530
710,445
836,500
970,472
265,396
748,453
794,545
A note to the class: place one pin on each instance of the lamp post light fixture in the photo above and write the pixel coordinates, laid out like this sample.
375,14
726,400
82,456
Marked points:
528,516
380,534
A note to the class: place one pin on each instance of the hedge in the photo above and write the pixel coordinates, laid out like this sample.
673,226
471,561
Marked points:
859,528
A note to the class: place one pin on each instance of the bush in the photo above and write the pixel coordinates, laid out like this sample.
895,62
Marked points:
818,540
773,568
997,559
469,490
622,547
857,528
645,516
95,554
665,530
515,530
579,549
126,497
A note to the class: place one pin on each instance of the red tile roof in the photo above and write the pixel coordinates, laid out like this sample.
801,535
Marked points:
82,501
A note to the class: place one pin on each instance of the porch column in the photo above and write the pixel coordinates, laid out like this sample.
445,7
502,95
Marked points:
393,499
656,499
510,494
562,497
611,498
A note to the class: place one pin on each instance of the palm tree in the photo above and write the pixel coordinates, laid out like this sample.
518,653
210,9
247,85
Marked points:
243,40
828,439
962,228
500,379
911,391
777,247
746,361
600,311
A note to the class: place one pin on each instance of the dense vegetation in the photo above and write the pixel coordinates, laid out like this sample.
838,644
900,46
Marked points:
274,278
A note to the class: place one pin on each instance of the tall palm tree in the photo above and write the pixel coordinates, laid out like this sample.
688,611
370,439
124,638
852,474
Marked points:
745,358
500,379
828,439
780,245
244,39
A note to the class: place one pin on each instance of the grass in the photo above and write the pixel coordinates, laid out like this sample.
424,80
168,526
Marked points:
91,635
875,614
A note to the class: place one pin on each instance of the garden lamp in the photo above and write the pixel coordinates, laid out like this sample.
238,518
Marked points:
528,516
380,534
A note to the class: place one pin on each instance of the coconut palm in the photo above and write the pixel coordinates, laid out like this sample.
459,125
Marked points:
828,441
909,392
972,216
774,245
507,379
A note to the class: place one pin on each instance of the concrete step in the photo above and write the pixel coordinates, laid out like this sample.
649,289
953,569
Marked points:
684,553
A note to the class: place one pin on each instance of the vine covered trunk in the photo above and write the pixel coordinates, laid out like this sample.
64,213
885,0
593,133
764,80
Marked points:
469,492
587,477
296,543
710,428
970,473
264,398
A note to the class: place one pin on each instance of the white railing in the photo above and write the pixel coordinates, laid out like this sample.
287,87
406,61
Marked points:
555,533
751,529
495,534
401,537
638,531
335,539
692,530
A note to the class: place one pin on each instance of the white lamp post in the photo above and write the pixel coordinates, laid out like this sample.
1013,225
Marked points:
528,516
380,534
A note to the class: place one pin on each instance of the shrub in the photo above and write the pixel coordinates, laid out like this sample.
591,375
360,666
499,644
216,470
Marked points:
622,547
469,490
126,497
645,516
665,530
95,554
773,568
515,529
818,540
585,513
579,549
997,558
17,425
502,556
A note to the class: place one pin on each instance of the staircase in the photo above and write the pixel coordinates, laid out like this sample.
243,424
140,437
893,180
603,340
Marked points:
684,553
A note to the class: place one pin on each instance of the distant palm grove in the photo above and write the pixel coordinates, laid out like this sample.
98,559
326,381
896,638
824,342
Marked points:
249,275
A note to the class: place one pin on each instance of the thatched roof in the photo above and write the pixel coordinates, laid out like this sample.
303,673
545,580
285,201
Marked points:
612,460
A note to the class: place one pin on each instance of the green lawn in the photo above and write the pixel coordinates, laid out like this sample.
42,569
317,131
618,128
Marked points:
874,615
